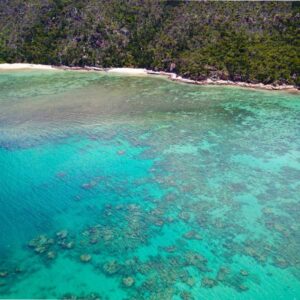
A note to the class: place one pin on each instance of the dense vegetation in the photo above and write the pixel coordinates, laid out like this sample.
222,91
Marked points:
248,41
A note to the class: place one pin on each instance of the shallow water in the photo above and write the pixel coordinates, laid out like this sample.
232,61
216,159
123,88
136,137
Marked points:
167,190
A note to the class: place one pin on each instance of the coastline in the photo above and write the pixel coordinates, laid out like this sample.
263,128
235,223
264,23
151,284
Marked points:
208,81
145,72
21,66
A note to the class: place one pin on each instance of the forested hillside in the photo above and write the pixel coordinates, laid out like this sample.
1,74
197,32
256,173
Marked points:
247,41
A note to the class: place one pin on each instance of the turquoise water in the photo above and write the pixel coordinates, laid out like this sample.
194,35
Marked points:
123,187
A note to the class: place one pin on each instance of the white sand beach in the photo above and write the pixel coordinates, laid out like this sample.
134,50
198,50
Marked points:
132,71
19,66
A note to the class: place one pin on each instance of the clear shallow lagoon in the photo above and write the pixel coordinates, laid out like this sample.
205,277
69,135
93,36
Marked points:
120,187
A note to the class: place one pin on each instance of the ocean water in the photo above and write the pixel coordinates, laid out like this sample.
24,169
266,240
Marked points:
126,187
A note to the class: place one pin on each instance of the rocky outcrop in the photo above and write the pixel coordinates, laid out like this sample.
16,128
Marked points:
210,81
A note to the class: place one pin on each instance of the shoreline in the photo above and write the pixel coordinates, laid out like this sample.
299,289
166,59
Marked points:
21,66
145,72
209,81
